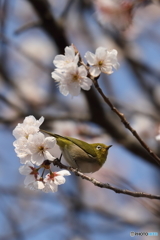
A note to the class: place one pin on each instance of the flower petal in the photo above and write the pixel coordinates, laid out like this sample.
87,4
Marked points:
29,179
82,71
63,88
38,185
58,76
18,131
46,188
49,142
37,158
58,180
90,57
107,69
54,187
70,53
101,53
63,173
29,120
59,61
95,71
74,89
26,169
86,83
24,159
41,120
48,156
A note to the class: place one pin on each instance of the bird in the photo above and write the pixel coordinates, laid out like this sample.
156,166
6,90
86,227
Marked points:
85,157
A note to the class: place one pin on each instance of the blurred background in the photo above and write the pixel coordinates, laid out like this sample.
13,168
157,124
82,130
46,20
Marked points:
32,33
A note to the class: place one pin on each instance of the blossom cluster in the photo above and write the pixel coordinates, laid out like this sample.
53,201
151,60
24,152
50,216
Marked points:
34,149
72,74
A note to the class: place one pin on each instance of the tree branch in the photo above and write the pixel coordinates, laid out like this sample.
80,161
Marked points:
56,162
54,30
125,122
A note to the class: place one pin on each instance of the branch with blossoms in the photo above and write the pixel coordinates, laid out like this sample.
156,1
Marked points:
35,150
72,74
36,154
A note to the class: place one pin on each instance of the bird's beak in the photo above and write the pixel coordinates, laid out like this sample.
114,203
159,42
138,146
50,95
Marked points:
109,146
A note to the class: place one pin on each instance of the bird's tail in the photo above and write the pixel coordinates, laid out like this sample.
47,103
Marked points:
49,133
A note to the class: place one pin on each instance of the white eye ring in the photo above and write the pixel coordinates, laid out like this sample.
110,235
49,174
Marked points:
98,147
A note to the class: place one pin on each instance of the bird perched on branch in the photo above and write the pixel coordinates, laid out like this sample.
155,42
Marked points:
87,158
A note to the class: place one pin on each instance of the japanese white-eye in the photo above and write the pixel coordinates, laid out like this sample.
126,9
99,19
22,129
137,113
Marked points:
87,158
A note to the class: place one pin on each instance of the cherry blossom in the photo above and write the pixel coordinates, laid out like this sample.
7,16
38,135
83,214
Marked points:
40,148
33,148
72,80
36,185
29,126
30,172
21,149
63,61
52,180
102,61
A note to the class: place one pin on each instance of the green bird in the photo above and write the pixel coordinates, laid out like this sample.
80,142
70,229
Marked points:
87,158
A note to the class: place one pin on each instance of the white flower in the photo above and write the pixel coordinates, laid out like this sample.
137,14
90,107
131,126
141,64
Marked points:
21,148
40,148
26,169
102,61
36,185
72,80
63,61
29,126
32,180
30,172
52,180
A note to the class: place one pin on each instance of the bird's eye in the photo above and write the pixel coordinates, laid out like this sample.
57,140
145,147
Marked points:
98,147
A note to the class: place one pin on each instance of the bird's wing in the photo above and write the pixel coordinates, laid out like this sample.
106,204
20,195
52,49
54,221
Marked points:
83,145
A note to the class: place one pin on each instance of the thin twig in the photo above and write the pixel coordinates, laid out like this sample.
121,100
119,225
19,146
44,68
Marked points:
124,121
105,185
